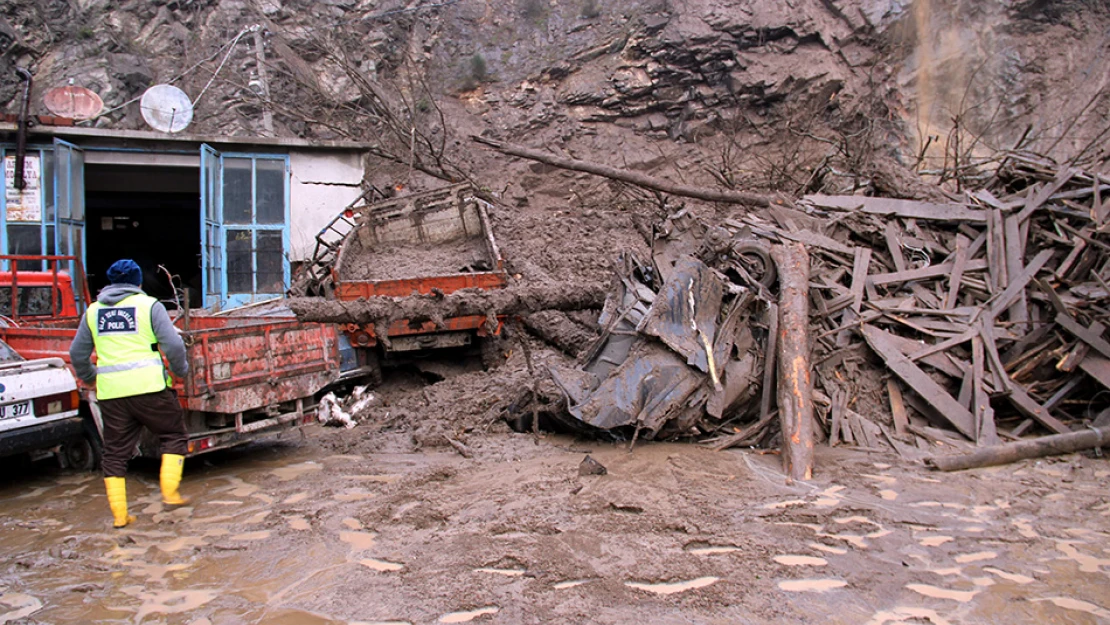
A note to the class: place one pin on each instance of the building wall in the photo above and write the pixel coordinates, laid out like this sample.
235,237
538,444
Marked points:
322,184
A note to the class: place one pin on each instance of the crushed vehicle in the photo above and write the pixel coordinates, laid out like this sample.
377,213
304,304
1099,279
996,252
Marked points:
434,242
683,339
253,372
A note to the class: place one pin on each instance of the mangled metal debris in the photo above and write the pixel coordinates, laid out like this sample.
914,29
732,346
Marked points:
683,338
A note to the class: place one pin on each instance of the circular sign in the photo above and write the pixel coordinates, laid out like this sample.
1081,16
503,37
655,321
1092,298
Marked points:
166,108
73,102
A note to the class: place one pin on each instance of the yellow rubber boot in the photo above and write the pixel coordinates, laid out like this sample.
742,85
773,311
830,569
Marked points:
172,465
117,500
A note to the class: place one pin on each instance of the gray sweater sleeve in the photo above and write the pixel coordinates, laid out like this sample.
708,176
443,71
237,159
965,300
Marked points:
80,353
169,340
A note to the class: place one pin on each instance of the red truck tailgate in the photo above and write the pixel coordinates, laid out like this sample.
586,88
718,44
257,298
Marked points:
240,364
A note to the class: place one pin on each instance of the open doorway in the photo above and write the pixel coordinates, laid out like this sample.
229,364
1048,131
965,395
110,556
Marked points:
149,214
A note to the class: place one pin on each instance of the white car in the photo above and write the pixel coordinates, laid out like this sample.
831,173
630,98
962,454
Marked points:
39,412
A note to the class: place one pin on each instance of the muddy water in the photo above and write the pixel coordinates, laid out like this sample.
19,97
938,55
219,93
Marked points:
224,559
292,534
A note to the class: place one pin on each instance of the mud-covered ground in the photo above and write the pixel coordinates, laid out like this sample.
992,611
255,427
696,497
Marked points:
385,523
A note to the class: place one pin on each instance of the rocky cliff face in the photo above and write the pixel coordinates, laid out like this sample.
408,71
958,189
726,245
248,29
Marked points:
793,96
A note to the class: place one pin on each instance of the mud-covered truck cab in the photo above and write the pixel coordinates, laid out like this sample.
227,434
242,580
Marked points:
251,374
40,412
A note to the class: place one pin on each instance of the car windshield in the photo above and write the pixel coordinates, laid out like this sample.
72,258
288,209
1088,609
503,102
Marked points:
33,300
7,354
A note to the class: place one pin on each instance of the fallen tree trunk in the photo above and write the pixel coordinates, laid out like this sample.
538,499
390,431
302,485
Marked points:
640,180
795,387
1035,448
420,308
557,329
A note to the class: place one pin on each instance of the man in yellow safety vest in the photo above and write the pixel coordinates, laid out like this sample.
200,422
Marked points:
127,327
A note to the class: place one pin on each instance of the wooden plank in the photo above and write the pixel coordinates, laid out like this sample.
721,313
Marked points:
1018,283
1099,209
990,349
942,346
859,275
1030,408
985,433
1098,368
900,208
958,265
1075,357
894,245
1040,196
1015,253
897,407
932,271
996,253
1083,333
940,362
920,382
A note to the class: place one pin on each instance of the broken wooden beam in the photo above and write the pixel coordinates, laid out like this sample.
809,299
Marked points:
920,382
795,387
899,208
1021,450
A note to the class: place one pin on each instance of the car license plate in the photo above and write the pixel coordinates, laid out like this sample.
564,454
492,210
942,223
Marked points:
11,411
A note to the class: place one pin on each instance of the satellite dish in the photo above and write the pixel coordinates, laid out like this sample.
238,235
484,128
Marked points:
166,108
73,102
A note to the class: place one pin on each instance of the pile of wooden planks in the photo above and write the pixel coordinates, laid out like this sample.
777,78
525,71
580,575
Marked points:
983,318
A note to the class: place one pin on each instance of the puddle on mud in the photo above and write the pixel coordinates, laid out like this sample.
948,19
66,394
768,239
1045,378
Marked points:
352,524
1087,563
793,560
712,550
670,588
936,592
168,601
295,471
382,566
359,541
935,541
297,498
466,617
300,524
906,615
1069,603
829,548
1016,578
21,605
570,583
968,558
811,585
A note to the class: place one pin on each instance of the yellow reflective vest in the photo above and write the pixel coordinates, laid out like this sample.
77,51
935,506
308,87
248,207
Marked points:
128,362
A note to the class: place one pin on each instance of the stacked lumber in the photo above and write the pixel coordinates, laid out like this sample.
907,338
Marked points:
983,318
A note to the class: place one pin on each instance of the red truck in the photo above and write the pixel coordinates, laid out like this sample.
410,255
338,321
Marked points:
436,241
249,375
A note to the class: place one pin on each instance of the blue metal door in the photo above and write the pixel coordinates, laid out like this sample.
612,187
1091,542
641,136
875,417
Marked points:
69,202
244,226
213,283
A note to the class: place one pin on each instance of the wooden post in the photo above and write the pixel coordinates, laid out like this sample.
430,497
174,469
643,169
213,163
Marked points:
1021,450
795,386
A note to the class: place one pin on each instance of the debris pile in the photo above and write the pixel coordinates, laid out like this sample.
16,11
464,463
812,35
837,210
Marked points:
988,312
346,412
683,339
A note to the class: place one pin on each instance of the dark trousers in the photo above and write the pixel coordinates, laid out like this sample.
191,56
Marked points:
124,418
